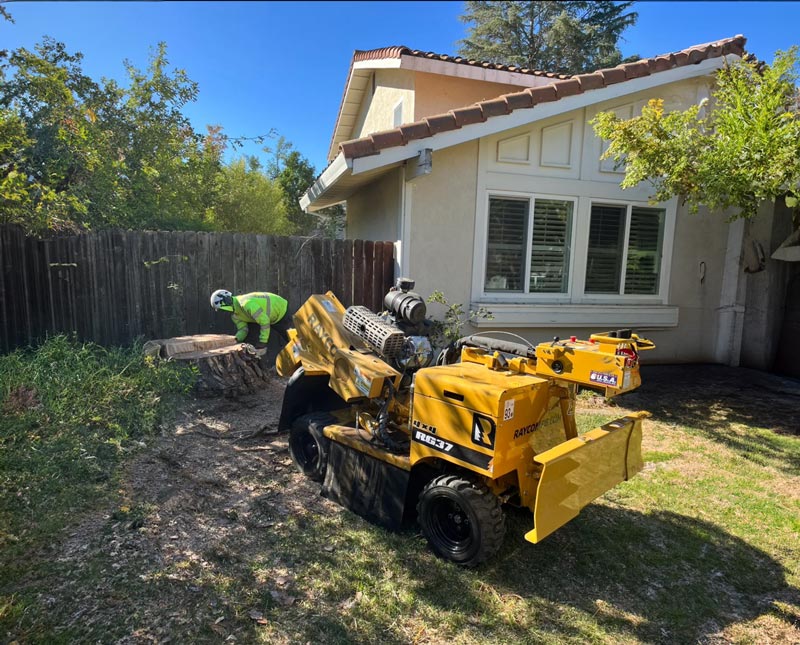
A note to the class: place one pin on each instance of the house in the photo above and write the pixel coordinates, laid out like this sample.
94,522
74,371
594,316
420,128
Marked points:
489,179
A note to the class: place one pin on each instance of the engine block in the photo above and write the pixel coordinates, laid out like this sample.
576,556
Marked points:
381,336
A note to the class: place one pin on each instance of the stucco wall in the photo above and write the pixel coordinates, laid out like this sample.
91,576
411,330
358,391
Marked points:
436,94
377,110
373,213
698,261
442,213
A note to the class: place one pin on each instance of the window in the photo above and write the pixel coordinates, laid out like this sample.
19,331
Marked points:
528,254
610,262
397,115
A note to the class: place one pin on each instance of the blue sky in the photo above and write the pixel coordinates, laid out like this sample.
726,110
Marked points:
282,65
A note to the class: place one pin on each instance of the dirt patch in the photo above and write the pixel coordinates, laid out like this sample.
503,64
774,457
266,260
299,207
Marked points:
199,510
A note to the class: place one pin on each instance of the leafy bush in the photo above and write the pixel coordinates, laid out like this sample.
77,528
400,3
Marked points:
448,329
70,412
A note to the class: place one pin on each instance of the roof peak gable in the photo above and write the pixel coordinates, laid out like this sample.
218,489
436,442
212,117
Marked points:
528,98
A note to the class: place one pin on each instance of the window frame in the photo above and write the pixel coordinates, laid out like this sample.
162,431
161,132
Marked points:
525,295
629,206
578,249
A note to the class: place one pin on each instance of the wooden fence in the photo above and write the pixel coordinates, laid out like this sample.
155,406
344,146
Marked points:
114,286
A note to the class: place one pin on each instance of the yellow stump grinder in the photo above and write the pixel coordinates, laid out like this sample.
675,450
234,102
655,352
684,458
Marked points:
395,438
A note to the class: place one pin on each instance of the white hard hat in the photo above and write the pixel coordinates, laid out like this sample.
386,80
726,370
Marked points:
220,298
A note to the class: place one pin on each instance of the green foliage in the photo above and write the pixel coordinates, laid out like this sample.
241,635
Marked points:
295,174
86,154
448,329
248,201
332,222
739,149
76,154
565,37
70,412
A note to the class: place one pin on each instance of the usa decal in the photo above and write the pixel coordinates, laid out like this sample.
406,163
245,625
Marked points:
602,378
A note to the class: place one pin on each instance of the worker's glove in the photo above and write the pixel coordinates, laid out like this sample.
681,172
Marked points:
240,337
260,344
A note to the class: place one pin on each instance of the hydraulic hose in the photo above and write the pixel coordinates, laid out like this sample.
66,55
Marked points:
518,349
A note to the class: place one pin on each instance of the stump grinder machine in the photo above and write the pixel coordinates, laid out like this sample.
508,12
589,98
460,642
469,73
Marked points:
395,436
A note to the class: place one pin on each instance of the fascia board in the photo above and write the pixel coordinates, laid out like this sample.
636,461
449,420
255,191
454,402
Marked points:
472,72
348,92
378,63
328,178
541,111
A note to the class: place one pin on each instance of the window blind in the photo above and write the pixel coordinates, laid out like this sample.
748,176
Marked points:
506,247
552,232
604,256
644,251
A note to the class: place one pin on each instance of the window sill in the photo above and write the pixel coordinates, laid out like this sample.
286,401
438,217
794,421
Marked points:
591,316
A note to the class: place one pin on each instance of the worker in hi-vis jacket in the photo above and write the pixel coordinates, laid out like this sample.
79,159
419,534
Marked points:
261,308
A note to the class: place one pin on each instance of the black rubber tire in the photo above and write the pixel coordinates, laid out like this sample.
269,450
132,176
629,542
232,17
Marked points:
462,520
308,446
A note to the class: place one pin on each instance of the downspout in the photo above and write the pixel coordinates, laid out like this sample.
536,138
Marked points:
730,313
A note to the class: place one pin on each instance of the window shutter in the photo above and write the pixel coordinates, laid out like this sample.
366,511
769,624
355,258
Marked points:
604,257
552,233
506,248
644,251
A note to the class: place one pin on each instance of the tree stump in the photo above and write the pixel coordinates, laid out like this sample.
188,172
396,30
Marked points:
225,367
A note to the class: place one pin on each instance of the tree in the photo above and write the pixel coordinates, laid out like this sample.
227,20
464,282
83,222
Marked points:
248,201
295,174
569,37
737,150
86,154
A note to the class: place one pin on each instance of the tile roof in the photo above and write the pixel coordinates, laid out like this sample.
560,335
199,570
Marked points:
528,98
400,50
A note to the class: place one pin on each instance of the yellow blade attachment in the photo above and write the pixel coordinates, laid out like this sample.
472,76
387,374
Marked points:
576,472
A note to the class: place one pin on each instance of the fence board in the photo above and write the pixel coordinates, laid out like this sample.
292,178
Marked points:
348,272
377,272
368,274
388,264
337,270
114,286
358,272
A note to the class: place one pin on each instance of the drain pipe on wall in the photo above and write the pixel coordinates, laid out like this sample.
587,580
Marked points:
730,313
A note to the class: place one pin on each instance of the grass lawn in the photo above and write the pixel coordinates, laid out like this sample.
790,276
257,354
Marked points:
210,539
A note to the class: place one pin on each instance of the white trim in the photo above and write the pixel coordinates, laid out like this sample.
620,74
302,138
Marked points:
378,63
407,192
481,221
573,315
332,174
472,72
505,296
541,111
399,104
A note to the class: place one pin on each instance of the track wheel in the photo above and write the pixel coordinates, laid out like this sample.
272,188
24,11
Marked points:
308,446
462,520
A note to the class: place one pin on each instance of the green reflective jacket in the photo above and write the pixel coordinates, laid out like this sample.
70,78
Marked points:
262,308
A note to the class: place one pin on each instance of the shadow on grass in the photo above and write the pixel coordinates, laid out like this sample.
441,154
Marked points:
611,573
712,400
658,577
